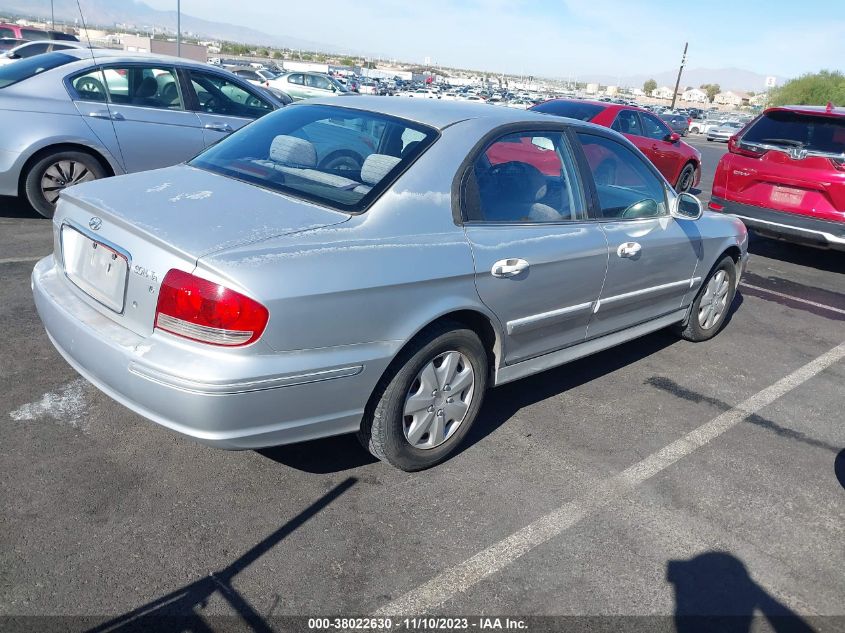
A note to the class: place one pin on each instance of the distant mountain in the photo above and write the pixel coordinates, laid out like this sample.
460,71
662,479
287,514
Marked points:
135,15
727,78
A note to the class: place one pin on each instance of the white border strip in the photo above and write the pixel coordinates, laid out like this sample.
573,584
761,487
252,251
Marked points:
791,298
461,577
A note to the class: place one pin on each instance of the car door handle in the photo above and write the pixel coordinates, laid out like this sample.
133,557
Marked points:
509,267
105,114
218,127
628,249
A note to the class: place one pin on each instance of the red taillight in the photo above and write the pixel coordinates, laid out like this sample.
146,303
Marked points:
204,311
743,149
715,206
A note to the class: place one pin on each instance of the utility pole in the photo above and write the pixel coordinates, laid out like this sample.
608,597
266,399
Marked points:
680,70
52,15
178,28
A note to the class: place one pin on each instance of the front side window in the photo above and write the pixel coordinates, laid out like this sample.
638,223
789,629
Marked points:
25,68
524,177
144,86
218,95
325,154
628,122
318,82
31,50
654,127
626,187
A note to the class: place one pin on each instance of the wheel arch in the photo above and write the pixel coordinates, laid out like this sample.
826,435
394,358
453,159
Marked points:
63,147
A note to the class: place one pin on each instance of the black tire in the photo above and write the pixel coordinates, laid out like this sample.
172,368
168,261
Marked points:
32,182
382,431
685,178
342,161
694,331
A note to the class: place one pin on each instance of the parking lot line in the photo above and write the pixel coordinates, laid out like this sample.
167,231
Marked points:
791,298
18,260
496,557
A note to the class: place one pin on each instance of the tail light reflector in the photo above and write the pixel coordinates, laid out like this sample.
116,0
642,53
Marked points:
736,146
204,311
715,206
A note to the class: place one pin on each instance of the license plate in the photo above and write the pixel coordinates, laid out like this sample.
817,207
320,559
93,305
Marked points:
96,269
787,196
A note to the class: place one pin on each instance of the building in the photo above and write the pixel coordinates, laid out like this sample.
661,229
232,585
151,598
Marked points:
694,95
139,44
731,98
592,89
664,92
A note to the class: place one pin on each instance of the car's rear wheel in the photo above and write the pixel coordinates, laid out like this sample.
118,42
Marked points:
712,305
686,178
47,178
423,408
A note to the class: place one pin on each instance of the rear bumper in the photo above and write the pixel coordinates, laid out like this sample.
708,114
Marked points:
787,226
233,402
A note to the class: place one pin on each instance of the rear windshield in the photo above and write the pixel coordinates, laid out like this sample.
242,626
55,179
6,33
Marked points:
570,109
31,66
807,131
339,157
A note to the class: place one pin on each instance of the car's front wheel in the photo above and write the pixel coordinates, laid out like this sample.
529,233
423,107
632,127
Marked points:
49,176
424,407
712,305
686,178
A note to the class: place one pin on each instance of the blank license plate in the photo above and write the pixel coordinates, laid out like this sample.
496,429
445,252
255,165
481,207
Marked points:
96,269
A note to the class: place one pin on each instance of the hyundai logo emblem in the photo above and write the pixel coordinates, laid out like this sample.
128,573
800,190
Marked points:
95,223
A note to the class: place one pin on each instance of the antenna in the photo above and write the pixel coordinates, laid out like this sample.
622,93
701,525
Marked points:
87,34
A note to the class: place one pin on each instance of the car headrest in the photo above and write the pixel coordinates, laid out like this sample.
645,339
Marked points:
169,93
376,167
521,182
148,88
291,150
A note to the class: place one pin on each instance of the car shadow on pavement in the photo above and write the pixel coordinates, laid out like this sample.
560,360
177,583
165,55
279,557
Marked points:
182,610
329,455
821,259
16,208
714,592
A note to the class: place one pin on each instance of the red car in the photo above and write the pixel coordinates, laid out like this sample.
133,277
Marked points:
784,175
679,163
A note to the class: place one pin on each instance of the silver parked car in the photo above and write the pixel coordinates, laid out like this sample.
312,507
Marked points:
251,298
67,117
724,131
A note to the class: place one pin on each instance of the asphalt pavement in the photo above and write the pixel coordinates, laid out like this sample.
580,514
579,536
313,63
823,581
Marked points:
659,478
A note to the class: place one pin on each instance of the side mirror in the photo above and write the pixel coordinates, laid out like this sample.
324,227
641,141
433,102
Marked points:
13,56
674,137
686,207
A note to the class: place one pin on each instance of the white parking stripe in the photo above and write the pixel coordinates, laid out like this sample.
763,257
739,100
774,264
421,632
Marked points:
791,298
18,260
461,577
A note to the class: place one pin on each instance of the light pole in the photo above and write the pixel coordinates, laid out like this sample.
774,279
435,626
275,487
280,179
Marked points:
52,15
178,28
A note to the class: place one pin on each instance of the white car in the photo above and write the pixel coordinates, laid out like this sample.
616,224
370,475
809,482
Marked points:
256,76
422,93
30,49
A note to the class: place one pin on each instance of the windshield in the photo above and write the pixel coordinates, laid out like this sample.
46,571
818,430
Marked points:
571,109
816,133
31,66
335,156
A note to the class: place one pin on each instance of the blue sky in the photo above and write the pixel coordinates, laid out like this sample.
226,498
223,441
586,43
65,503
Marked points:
560,37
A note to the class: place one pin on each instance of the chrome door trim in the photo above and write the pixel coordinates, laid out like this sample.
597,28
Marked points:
534,321
645,291
508,373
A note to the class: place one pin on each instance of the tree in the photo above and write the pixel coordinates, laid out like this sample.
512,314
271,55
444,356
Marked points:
263,53
811,89
712,90
277,55
347,61
649,86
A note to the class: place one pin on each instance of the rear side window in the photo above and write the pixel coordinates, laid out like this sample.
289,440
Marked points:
144,86
571,109
26,68
628,122
806,131
7,32
338,157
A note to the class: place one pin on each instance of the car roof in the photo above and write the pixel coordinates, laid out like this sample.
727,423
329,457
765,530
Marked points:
111,55
434,113
828,110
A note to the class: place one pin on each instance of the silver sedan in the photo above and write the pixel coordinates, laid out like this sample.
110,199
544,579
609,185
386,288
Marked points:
724,131
251,297
76,115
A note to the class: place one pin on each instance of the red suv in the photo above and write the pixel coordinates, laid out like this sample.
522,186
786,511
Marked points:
679,163
784,175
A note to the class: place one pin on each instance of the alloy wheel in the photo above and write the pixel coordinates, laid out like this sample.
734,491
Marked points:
62,174
714,302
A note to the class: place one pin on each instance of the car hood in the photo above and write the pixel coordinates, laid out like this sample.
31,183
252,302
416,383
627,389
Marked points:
195,211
